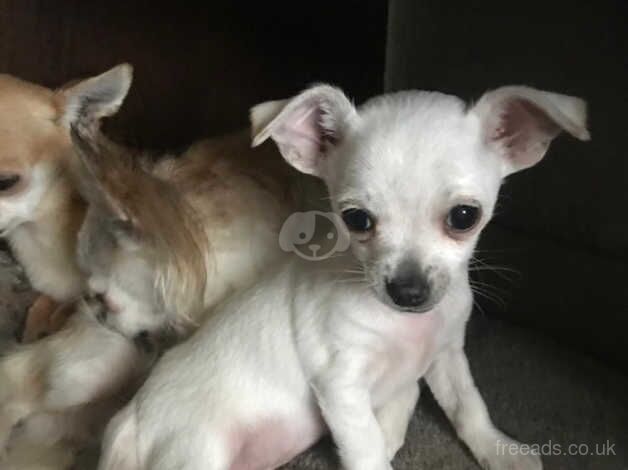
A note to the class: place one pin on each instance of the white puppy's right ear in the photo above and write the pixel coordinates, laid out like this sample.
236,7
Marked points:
96,97
305,127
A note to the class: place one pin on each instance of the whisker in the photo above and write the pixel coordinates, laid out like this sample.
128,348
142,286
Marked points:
349,281
489,296
487,286
476,265
495,268
477,304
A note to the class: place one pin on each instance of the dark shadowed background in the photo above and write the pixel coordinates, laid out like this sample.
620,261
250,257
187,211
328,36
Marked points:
562,225
199,66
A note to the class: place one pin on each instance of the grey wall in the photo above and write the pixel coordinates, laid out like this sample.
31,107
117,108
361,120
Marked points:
564,224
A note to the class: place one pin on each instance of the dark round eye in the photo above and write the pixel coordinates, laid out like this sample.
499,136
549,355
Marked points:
357,220
8,181
463,217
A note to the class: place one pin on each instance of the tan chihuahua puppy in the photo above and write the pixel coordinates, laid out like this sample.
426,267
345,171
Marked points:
162,241
40,211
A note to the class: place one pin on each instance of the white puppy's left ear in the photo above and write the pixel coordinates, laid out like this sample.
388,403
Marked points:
96,97
305,127
520,123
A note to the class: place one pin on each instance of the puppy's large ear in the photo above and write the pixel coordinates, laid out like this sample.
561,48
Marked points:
101,175
97,170
306,127
263,114
96,97
520,122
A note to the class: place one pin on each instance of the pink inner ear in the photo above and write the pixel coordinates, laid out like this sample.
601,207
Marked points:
308,130
524,131
306,127
300,139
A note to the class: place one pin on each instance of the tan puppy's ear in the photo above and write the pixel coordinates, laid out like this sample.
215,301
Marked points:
91,99
262,114
101,177
97,170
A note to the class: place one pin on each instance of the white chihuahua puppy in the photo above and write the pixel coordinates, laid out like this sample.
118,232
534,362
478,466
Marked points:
415,177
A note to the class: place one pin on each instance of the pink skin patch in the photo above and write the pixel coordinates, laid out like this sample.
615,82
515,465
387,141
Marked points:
416,328
274,441
112,307
408,352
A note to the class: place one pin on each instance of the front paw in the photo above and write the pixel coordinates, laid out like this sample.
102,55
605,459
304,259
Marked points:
508,454
37,323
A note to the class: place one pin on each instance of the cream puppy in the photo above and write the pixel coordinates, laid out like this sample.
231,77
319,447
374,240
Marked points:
415,177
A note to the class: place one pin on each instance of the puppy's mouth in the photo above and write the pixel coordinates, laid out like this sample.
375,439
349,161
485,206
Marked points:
418,309
415,309
100,306
6,230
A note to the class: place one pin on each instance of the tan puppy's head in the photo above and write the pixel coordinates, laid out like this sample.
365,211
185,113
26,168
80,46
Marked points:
34,136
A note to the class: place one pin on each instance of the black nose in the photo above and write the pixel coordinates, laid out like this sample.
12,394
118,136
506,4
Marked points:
408,289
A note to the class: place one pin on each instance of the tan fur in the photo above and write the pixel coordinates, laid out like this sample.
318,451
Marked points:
28,121
221,180
169,231
225,182
41,214
186,208
31,136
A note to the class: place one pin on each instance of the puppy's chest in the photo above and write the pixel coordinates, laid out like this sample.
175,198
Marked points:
405,351
48,266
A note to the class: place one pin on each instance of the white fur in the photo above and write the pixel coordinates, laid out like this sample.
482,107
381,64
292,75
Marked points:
303,352
33,232
79,365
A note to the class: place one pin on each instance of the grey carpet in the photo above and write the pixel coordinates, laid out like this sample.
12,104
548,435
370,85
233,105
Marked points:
536,390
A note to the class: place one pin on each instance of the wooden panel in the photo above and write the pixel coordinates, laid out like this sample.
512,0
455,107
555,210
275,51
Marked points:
199,67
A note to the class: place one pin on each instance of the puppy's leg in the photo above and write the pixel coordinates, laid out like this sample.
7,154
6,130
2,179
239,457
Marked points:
394,417
6,425
120,447
346,407
450,380
37,324
127,445
81,363
21,384
27,456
